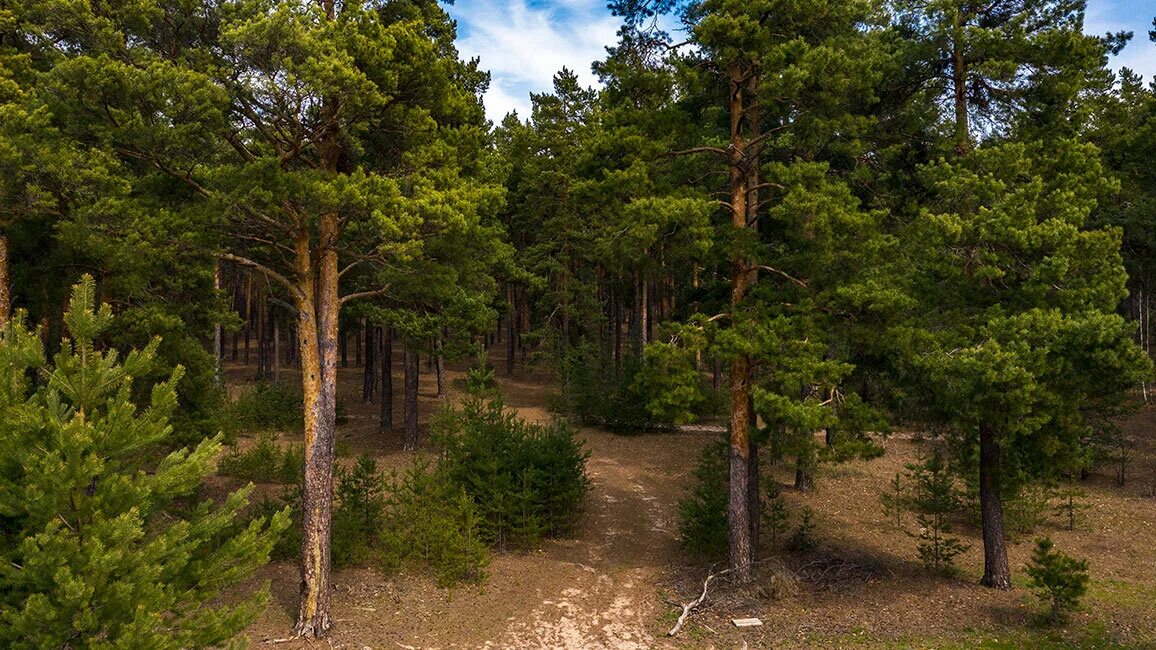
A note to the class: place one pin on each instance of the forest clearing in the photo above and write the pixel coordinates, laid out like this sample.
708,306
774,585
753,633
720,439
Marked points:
620,581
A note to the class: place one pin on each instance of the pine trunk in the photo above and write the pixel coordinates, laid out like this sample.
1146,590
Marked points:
738,508
318,308
412,368
386,424
996,573
440,367
511,330
369,377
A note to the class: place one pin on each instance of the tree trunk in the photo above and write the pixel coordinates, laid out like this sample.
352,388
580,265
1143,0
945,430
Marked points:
440,367
218,334
318,309
804,479
995,565
412,368
386,425
369,377
959,86
276,350
738,508
511,330
357,346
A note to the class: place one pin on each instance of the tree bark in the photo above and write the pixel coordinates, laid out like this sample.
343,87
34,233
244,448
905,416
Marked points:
996,573
369,377
276,350
738,508
412,368
511,330
959,85
440,367
386,424
317,329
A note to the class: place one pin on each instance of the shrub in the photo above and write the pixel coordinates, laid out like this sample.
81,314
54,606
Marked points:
431,521
265,406
702,527
1057,579
527,480
265,462
416,518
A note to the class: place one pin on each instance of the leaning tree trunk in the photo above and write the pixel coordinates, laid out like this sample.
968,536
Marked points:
318,308
412,368
995,565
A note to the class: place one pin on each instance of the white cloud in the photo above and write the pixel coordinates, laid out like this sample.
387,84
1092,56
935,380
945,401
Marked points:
524,45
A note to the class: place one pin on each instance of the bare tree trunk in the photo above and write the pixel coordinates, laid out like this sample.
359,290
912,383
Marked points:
959,85
995,565
276,350
511,329
738,508
318,342
412,368
5,282
386,425
357,346
440,366
369,376
218,339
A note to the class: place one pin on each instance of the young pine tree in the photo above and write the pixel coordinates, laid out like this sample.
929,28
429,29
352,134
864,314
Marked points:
101,542
1058,579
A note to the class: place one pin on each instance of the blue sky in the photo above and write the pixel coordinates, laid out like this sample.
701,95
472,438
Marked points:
524,42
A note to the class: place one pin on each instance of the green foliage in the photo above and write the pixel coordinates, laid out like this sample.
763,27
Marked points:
931,494
1059,580
656,391
266,406
265,462
95,548
431,520
702,525
803,537
526,480
776,517
481,379
1069,505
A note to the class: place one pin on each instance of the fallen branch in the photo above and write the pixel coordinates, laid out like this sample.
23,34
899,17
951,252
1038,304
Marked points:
689,607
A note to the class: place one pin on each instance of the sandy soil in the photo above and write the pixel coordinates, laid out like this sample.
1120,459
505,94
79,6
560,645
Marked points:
619,583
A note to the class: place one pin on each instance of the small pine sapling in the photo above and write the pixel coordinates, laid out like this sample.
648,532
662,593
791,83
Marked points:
803,539
1069,504
776,517
893,501
933,498
1058,579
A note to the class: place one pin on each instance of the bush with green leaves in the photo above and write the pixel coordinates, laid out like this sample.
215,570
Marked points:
265,462
103,543
1059,580
527,480
265,406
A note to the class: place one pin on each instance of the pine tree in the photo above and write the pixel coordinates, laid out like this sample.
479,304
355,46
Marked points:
1059,580
104,541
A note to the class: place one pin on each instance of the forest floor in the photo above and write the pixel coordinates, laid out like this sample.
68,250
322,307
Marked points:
620,582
